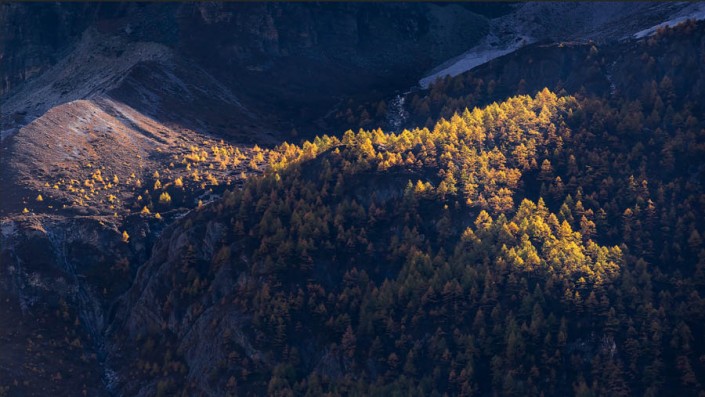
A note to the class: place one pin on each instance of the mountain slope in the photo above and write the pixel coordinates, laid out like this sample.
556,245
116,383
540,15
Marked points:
98,99
627,68
539,244
565,22
418,262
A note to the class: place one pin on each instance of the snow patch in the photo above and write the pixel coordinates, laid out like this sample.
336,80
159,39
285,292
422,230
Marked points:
695,11
531,22
475,57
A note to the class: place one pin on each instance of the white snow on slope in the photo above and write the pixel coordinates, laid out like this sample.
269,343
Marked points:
476,56
694,11
567,21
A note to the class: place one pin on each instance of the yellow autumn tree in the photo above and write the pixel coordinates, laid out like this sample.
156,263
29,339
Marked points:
165,198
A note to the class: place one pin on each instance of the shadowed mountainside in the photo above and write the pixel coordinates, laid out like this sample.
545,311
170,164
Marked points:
547,243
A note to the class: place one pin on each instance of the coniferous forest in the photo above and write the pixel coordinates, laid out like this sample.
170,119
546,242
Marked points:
532,227
546,244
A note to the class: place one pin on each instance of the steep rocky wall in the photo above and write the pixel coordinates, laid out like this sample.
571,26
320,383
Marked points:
58,280
267,53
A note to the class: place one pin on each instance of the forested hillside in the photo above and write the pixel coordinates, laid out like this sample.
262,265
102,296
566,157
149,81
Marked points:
542,245
531,227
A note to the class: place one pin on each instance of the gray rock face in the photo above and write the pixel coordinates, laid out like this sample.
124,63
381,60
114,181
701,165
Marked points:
166,299
58,278
262,52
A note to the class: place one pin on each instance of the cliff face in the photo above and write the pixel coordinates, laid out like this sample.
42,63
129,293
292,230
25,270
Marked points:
58,279
258,51
34,35
192,329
